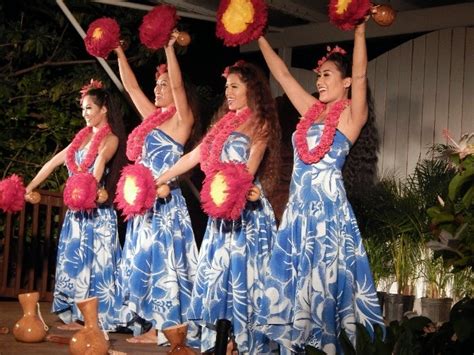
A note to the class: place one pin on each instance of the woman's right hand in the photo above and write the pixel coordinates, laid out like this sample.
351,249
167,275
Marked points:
173,37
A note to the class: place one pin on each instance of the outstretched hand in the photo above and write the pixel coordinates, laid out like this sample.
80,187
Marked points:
173,37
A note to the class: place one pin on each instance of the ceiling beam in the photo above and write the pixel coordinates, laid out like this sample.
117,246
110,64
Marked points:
191,7
413,21
134,5
297,10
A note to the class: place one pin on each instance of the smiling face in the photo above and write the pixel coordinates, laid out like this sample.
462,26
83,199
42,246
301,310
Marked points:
163,94
235,92
330,83
94,115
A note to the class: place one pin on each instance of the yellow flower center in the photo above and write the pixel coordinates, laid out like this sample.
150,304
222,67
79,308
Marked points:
218,189
97,34
238,15
342,6
130,189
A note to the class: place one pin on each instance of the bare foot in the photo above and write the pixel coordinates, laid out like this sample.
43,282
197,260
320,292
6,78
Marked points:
71,326
147,338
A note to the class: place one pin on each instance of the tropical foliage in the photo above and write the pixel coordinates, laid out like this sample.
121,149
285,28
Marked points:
453,215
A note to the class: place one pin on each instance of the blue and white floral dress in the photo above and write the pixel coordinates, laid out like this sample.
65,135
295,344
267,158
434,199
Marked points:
87,262
319,277
232,264
160,253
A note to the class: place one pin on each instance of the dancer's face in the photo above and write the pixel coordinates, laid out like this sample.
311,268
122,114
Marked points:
235,92
94,115
330,83
163,94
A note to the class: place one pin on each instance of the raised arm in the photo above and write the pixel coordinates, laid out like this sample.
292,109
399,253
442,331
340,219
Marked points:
359,105
47,169
130,83
298,96
104,155
185,114
186,163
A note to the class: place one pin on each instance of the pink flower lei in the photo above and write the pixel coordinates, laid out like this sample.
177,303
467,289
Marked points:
330,125
137,137
213,142
76,144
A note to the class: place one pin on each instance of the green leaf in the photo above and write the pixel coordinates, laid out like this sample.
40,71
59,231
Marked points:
458,181
443,217
468,197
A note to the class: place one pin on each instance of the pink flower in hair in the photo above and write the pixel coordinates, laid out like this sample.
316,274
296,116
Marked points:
93,84
160,70
238,63
330,52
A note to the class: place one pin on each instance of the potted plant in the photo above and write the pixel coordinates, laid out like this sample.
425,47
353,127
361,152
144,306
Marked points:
463,283
407,226
380,265
436,305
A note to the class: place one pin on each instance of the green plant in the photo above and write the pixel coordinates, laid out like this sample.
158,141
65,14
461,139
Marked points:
395,224
380,262
452,217
463,283
415,336
437,275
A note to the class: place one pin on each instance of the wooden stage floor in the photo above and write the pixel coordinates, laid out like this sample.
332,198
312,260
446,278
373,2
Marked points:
11,312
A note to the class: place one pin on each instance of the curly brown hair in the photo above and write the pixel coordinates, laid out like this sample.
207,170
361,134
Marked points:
266,124
360,169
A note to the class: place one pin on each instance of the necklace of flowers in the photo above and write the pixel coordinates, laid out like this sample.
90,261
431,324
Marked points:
76,144
137,137
330,124
213,142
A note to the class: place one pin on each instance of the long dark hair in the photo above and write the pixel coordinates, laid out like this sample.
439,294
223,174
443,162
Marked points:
267,125
101,98
360,169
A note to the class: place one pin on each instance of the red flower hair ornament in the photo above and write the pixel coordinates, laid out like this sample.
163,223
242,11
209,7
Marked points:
93,84
240,21
102,37
160,70
330,52
346,14
238,63
157,25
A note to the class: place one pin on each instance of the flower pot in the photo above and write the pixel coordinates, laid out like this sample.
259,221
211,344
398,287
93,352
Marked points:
176,335
90,339
436,309
396,305
381,298
31,327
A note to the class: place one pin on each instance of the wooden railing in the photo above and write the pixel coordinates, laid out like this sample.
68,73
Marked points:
28,244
